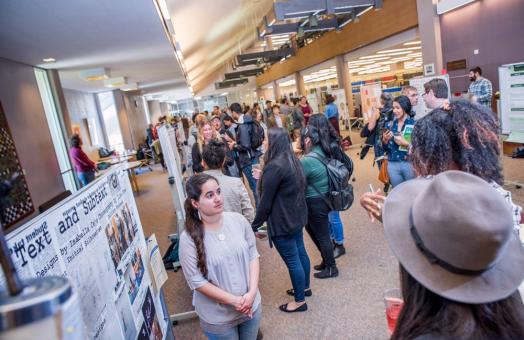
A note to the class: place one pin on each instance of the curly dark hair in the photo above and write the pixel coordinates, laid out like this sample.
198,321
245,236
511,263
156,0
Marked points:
465,135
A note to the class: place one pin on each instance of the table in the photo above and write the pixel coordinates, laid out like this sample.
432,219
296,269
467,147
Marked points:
130,168
114,160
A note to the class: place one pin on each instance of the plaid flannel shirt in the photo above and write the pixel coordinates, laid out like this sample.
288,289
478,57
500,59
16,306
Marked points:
483,90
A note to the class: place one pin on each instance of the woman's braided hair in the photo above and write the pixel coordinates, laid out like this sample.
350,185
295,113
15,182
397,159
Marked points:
194,226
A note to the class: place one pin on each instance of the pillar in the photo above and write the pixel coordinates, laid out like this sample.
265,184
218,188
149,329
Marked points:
344,81
299,83
276,91
429,29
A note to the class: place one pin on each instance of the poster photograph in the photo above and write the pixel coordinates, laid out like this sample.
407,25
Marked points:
95,239
370,98
151,318
134,274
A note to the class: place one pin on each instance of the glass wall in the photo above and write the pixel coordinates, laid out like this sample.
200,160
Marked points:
57,133
111,123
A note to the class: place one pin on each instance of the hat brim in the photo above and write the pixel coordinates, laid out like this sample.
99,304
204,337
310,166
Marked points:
495,284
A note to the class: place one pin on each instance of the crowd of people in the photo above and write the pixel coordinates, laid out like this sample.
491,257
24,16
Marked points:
448,220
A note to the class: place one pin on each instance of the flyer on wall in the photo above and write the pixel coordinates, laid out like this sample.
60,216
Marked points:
95,239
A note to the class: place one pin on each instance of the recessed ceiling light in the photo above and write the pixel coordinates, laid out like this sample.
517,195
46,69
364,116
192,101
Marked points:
99,73
115,82
49,60
412,43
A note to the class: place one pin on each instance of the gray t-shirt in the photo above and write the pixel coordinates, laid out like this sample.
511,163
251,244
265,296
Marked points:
228,254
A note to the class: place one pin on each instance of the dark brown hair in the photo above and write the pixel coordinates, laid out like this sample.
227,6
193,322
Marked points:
426,313
194,226
465,134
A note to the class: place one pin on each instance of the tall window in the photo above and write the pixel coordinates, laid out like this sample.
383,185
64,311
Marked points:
112,125
57,134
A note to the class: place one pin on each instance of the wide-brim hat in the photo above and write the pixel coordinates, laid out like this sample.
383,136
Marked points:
454,234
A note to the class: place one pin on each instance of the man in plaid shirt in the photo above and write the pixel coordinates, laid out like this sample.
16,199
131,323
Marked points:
480,87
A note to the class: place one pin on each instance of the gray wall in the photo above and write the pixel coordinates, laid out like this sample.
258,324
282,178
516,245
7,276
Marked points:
136,117
82,105
494,27
154,110
26,117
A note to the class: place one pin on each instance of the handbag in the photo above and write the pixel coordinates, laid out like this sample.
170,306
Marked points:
383,173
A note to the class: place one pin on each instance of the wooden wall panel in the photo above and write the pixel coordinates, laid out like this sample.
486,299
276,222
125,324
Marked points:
396,16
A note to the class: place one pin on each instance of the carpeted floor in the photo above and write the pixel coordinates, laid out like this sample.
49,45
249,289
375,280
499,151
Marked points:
347,307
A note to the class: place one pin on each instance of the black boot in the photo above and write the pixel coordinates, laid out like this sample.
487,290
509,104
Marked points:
320,266
339,250
327,273
260,336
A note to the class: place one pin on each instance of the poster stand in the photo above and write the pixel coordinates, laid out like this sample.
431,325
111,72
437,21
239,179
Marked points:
95,239
167,137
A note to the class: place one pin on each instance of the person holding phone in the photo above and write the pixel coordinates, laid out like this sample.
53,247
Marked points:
395,145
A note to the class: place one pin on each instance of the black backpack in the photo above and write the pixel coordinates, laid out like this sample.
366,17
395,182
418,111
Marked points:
340,190
257,134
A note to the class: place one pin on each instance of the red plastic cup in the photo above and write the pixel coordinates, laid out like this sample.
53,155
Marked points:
394,303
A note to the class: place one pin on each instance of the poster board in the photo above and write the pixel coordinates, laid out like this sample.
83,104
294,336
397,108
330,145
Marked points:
95,239
421,109
166,135
511,78
341,103
312,99
370,97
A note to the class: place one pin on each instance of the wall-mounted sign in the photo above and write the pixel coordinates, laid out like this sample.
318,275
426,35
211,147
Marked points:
429,70
456,65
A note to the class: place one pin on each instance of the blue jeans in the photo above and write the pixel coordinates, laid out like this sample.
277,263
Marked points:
248,172
86,177
400,172
336,228
291,249
247,330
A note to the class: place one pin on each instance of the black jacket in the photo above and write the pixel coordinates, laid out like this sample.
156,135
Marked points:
282,203
246,153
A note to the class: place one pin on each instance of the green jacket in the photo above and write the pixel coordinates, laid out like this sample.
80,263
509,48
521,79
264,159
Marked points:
316,173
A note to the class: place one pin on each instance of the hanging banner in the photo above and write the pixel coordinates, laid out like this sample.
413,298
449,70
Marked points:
95,239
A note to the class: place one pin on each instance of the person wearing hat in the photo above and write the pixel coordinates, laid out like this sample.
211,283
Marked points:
461,263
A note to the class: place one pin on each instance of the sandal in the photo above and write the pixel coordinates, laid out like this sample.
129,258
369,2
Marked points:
308,292
302,308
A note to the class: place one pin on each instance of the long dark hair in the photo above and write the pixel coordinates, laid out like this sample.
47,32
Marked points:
404,103
425,312
322,133
280,147
194,226
466,134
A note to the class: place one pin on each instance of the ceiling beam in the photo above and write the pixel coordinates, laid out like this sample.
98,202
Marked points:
244,73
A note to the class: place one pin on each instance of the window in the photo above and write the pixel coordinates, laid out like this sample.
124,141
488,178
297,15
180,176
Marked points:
111,123
57,134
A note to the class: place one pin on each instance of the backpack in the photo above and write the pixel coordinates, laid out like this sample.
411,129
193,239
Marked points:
340,190
257,134
518,152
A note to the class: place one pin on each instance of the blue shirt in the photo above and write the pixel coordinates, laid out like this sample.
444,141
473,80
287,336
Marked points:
331,110
392,148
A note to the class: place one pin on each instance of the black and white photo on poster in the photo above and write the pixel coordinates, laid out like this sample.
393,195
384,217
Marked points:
143,334
127,320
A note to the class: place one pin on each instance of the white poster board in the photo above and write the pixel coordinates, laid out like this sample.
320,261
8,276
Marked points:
421,109
511,79
312,99
370,97
95,239
341,103
166,135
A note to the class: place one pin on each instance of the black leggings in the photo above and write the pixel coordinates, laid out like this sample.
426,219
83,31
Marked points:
318,228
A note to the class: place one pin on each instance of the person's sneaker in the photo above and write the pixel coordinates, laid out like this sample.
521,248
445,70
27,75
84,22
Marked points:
339,250
320,266
260,336
327,273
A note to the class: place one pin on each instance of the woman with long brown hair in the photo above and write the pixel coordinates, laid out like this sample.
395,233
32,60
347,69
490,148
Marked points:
220,263
206,133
